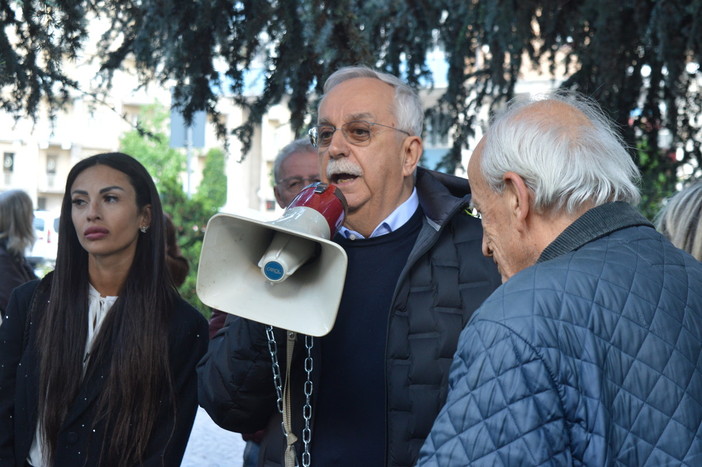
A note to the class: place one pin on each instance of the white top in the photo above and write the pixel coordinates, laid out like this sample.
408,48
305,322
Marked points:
98,307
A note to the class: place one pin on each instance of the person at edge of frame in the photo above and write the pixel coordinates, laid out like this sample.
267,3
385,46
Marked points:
590,353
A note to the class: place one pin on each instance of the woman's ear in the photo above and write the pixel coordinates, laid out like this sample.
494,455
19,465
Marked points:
146,216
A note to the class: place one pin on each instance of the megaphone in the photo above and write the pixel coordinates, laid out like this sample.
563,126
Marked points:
285,273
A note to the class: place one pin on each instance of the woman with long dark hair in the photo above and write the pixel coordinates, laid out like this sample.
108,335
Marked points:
97,360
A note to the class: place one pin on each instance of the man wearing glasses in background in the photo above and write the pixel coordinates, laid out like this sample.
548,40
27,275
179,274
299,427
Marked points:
294,168
414,277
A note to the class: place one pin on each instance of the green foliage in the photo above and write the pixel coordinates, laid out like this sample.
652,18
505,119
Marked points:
658,179
214,192
35,37
630,55
150,145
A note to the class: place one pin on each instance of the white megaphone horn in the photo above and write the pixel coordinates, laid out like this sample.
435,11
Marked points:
285,273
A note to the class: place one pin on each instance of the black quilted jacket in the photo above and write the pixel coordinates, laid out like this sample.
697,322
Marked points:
445,279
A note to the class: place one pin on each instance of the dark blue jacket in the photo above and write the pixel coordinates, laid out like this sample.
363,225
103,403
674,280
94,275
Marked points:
591,357
444,280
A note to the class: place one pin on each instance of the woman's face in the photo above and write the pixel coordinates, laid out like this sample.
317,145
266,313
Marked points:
105,213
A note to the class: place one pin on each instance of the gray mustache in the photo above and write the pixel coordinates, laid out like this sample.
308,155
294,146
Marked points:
343,166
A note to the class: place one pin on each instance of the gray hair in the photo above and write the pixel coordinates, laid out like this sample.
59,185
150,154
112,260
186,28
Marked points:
681,219
564,165
408,107
299,145
16,222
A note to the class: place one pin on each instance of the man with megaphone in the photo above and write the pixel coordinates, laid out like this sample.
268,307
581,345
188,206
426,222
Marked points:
367,392
294,168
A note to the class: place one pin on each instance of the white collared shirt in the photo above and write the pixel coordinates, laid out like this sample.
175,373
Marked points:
394,221
98,306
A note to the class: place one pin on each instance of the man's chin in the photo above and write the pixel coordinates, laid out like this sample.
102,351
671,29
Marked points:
349,187
353,202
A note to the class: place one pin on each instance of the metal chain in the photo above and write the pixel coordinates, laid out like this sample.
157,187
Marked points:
307,408
278,383
277,380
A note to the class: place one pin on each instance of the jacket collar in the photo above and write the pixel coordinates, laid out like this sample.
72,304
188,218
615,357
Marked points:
440,195
595,223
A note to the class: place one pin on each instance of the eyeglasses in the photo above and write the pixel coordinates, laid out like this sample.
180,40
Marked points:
297,183
357,132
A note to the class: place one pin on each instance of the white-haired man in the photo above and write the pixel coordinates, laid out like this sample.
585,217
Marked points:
294,168
590,353
414,277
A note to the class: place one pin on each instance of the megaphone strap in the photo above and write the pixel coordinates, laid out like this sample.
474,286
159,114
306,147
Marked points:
290,437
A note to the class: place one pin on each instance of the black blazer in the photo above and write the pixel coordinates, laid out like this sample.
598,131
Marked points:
79,442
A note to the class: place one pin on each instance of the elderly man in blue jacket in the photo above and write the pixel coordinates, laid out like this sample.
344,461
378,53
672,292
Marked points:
590,353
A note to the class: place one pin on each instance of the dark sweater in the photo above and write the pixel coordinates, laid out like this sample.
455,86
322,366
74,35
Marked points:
354,391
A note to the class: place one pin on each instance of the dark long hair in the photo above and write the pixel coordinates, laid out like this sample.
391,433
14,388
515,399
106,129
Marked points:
176,263
132,342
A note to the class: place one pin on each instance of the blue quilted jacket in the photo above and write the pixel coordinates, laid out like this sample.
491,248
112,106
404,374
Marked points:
591,357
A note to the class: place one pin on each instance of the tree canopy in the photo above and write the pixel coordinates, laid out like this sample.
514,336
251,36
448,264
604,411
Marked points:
150,144
638,58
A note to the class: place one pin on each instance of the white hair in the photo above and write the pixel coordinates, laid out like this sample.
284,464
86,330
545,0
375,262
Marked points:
408,108
681,219
300,145
563,164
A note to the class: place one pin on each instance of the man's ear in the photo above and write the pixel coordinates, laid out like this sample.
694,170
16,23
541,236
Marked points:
520,195
411,151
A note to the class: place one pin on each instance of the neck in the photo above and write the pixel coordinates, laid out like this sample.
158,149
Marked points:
362,224
365,219
108,277
550,225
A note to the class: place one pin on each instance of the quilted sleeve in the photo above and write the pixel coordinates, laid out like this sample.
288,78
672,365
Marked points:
235,381
503,406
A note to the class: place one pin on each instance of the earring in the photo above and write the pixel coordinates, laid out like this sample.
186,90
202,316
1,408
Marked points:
143,228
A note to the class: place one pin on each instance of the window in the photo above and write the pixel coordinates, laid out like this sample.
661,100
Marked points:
51,164
8,165
8,161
